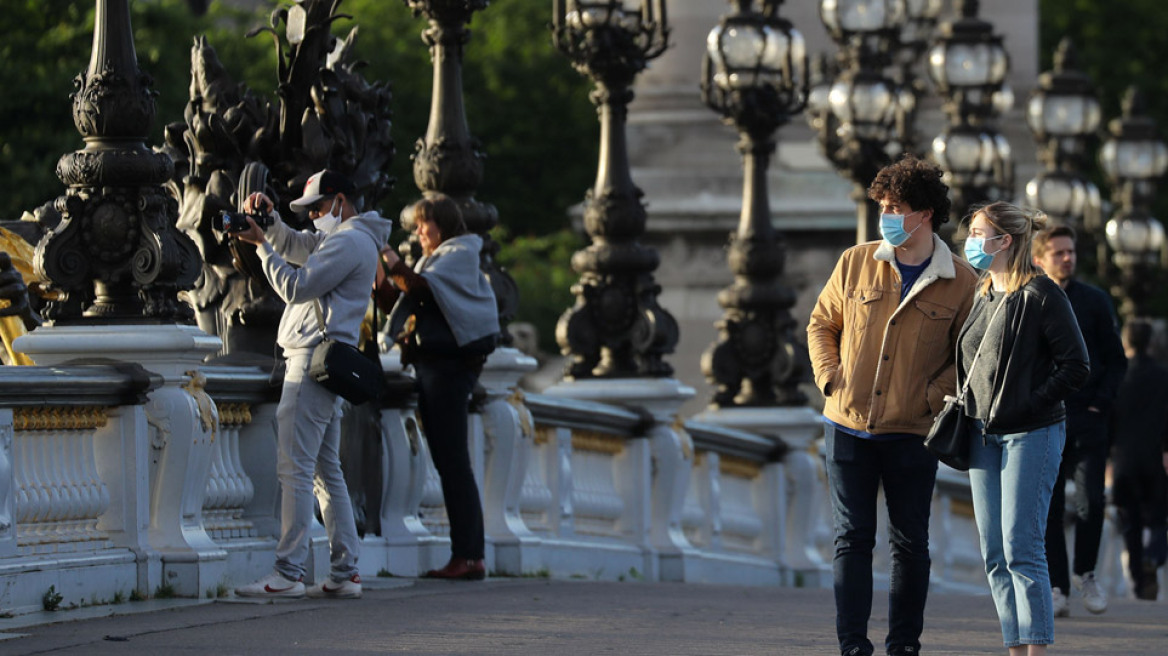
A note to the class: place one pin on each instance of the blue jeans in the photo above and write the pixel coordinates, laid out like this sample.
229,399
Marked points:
1011,478
856,469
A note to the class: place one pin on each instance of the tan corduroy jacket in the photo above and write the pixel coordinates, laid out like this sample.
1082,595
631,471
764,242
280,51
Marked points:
885,365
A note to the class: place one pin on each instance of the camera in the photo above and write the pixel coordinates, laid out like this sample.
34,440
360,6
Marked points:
229,222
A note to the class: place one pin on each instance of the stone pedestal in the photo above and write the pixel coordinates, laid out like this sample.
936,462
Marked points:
167,476
508,431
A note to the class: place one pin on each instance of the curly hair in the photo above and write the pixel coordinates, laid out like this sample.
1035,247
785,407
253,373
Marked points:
915,182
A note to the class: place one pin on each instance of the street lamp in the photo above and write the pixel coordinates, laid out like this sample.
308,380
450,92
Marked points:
1063,114
755,75
1134,158
968,65
449,159
615,329
116,255
863,104
916,33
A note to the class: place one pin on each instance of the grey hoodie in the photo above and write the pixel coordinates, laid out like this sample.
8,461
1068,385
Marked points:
337,268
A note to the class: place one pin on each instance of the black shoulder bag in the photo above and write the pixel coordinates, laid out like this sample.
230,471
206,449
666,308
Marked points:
949,439
343,369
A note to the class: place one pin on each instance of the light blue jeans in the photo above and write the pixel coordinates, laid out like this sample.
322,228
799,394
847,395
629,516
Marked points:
1012,478
308,463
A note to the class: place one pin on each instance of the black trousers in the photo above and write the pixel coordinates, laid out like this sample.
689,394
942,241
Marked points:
1085,463
444,391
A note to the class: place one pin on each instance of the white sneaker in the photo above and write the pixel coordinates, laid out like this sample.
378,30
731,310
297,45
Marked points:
1062,608
1094,598
330,589
273,585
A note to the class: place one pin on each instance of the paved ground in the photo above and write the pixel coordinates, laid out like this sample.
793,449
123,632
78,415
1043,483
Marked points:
558,618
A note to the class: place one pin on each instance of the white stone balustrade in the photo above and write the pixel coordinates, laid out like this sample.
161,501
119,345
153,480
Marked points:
59,495
570,486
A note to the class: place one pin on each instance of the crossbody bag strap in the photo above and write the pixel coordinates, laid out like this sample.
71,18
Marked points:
977,354
320,317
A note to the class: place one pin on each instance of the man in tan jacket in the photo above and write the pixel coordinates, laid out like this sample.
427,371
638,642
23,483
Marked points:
882,340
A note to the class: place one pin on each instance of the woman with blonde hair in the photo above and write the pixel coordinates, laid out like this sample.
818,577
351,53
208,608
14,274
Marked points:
1022,353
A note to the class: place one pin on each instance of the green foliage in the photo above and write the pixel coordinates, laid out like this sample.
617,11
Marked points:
51,599
541,269
165,591
45,44
384,573
523,101
136,596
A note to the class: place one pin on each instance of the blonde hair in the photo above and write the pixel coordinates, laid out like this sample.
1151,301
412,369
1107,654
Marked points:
1022,225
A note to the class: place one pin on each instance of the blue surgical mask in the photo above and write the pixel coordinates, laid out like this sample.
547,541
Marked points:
892,228
975,252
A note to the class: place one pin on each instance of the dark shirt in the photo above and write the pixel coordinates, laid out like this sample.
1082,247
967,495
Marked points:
1139,418
909,274
987,336
1097,322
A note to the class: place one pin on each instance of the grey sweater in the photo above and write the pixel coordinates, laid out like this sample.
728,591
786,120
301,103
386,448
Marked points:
337,268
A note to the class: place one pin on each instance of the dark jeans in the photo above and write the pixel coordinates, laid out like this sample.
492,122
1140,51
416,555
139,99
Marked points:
856,469
444,386
1084,462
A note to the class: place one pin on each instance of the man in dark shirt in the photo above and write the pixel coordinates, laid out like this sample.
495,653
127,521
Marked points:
1085,453
1139,453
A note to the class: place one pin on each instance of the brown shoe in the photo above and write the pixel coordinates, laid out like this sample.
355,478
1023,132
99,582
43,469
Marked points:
459,568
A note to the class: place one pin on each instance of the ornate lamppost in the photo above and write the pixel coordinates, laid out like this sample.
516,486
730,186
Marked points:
1134,158
448,159
863,103
916,33
968,64
616,329
755,75
116,255
1064,114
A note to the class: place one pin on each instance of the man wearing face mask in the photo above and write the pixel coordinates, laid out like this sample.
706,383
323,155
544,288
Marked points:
333,268
881,338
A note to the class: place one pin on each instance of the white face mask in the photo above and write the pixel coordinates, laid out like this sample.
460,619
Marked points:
328,222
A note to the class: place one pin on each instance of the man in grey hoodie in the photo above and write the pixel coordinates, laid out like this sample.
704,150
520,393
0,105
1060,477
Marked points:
333,266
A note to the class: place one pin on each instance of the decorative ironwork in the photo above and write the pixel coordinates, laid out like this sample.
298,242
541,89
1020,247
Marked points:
449,159
969,65
1064,114
234,142
616,328
861,116
755,75
116,256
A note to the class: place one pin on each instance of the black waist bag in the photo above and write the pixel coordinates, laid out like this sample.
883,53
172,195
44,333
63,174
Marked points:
344,370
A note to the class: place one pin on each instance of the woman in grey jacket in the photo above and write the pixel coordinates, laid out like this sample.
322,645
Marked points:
446,321
1022,353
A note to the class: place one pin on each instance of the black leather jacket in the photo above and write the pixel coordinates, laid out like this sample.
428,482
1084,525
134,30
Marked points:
1043,359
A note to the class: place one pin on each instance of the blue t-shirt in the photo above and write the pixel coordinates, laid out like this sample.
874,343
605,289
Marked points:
909,274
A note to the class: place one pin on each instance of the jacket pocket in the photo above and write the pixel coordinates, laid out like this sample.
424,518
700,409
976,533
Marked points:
864,307
935,322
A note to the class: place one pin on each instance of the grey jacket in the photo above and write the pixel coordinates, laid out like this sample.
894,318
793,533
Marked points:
338,269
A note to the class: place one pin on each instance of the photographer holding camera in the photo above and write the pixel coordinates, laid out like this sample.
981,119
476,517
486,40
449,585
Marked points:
333,266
